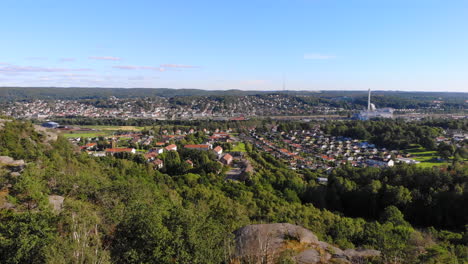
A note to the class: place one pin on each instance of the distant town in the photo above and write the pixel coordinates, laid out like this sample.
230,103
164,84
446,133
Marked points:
231,107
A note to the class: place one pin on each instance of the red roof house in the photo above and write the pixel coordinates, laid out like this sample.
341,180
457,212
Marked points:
218,150
171,147
199,147
226,159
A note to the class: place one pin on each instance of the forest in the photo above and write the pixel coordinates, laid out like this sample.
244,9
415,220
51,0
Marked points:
119,209
387,133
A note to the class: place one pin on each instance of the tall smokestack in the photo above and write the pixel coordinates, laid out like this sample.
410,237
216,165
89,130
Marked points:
368,102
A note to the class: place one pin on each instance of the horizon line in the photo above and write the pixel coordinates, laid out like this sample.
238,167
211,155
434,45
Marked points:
253,90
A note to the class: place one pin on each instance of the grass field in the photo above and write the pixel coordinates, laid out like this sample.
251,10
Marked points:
100,131
239,147
428,158
86,134
116,128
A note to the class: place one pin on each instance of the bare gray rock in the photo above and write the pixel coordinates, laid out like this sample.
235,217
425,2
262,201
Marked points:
15,174
12,164
332,249
2,122
7,205
264,243
308,256
6,160
361,253
57,202
49,135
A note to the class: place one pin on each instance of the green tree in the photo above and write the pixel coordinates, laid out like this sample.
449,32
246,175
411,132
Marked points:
25,236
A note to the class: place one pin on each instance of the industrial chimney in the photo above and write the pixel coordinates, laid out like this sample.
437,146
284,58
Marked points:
368,102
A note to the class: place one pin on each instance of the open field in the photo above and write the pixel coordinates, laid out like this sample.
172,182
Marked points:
428,158
99,131
239,147
86,134
115,128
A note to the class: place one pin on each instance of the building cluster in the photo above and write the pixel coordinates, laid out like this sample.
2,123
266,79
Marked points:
151,147
164,108
453,136
312,149
41,109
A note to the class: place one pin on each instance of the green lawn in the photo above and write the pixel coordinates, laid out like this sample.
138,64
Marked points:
428,158
115,128
239,147
101,131
86,134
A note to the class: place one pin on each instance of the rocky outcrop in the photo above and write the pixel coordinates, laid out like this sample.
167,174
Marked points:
2,122
308,256
49,135
11,164
56,201
266,243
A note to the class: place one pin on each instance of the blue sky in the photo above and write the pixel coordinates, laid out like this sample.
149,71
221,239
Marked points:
315,44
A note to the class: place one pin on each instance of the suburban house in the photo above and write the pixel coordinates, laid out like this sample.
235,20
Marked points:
380,163
157,150
226,159
218,150
199,147
150,156
158,163
171,147
89,146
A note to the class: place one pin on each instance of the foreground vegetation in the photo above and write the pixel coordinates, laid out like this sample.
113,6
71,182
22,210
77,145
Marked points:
121,210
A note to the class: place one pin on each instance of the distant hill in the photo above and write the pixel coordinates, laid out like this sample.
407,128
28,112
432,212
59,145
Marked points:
452,102
23,93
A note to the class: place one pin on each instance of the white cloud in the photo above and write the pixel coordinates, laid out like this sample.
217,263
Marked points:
178,66
318,56
22,69
105,58
135,67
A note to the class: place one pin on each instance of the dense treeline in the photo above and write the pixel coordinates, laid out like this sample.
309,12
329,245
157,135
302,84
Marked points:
427,197
447,123
119,210
394,134
424,197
